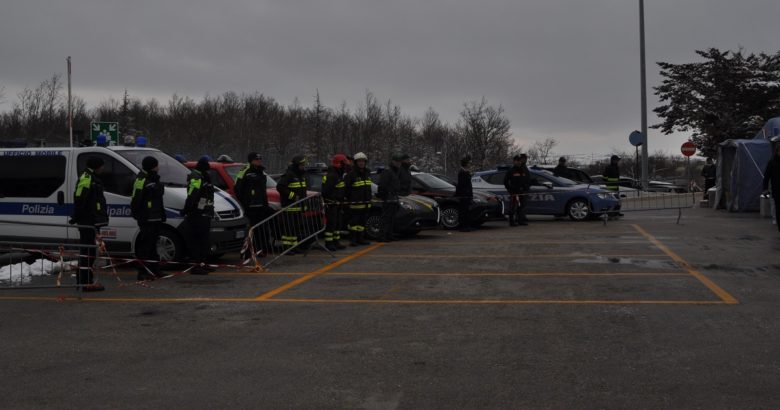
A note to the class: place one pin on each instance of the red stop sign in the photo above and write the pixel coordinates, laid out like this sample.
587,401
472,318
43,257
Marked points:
688,148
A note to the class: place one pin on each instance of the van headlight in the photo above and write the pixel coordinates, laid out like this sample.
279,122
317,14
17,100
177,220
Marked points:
406,205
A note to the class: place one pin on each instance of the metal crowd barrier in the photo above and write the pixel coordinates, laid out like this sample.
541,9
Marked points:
42,265
295,227
638,201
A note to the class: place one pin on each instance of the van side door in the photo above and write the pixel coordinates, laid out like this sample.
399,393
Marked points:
117,180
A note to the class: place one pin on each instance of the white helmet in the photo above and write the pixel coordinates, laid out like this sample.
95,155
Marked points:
360,156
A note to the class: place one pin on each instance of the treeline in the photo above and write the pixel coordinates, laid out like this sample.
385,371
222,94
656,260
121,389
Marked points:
235,124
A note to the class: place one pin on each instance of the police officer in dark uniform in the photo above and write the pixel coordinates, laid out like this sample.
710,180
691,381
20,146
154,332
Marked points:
147,208
89,209
198,212
518,183
357,185
772,179
250,189
561,170
405,176
333,194
389,187
292,188
710,173
465,194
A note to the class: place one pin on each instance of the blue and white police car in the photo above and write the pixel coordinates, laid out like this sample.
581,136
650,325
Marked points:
551,195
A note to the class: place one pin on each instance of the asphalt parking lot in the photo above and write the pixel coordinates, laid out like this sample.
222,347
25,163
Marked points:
640,313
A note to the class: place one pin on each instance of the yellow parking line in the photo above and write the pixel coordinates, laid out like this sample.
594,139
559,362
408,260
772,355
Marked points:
502,302
422,242
531,274
121,299
722,294
518,255
318,272
363,301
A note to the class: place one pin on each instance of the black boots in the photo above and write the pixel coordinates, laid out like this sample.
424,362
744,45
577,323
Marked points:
358,238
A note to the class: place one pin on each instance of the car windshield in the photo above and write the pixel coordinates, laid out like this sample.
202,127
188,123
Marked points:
558,181
233,170
432,182
172,172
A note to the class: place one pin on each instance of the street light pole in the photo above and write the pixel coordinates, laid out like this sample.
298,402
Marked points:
70,109
645,178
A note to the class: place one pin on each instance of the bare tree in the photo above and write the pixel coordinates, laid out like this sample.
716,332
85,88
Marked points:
540,151
483,131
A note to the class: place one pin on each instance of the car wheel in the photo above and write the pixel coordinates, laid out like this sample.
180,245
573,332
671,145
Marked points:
449,218
578,210
170,246
374,226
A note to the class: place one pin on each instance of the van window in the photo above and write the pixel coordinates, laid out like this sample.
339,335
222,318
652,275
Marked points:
217,180
116,177
172,172
31,177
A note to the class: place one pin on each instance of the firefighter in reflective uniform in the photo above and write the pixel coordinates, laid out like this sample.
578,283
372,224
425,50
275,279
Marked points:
250,189
333,194
147,208
198,212
518,183
89,209
357,185
612,174
292,188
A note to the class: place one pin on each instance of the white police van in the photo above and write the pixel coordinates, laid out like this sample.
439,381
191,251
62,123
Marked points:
37,185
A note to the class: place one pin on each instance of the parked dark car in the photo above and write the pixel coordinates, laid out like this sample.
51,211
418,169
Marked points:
484,207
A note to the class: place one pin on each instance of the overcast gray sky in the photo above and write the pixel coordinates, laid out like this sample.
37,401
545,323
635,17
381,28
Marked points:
566,69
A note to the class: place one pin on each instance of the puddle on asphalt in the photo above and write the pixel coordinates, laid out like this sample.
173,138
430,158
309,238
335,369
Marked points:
648,263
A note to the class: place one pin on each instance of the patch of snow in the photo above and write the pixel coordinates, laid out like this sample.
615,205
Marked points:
23,273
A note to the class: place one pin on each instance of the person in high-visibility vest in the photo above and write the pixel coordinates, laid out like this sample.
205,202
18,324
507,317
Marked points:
89,209
333,187
292,188
198,212
357,185
612,174
148,209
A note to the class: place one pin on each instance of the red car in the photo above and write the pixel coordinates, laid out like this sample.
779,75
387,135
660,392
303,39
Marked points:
223,176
